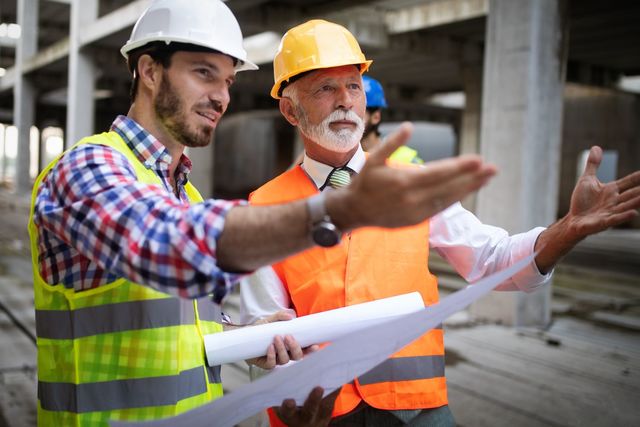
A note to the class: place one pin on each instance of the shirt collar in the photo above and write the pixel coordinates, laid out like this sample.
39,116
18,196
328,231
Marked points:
319,172
151,152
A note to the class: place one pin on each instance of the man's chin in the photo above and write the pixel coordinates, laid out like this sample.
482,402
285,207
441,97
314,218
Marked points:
338,147
196,142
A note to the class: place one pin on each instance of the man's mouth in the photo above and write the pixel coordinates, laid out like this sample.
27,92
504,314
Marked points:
211,116
343,123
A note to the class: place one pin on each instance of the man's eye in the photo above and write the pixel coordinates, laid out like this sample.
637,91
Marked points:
203,72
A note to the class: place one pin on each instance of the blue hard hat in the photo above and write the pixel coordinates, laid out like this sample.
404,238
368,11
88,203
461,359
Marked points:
375,94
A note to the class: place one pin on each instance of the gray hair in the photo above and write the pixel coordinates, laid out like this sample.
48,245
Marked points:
291,92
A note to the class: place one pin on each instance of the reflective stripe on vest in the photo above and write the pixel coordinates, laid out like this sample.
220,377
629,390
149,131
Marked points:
105,319
369,264
405,369
118,394
122,350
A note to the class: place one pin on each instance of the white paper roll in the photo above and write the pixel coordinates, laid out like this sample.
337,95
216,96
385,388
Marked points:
253,341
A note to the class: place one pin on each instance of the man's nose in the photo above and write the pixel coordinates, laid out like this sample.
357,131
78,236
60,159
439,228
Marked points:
344,99
220,97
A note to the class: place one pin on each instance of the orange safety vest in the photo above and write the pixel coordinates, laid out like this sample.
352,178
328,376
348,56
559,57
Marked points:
368,264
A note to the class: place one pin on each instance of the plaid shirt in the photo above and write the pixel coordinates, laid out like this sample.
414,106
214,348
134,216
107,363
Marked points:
97,223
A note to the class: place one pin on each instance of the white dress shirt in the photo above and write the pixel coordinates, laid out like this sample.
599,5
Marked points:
474,249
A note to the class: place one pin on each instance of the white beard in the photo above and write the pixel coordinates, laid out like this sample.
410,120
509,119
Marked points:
341,141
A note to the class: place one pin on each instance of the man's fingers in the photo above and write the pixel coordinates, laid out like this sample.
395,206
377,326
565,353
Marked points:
438,196
312,404
632,195
282,356
268,361
329,400
295,351
288,409
630,181
593,161
380,154
443,170
311,349
452,181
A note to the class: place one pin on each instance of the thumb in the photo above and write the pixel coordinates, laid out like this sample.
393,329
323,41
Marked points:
593,161
278,316
275,317
380,154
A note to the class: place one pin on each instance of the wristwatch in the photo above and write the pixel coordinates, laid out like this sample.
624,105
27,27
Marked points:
323,232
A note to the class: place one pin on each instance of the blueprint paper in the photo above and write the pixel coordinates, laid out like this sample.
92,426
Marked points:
338,363
245,343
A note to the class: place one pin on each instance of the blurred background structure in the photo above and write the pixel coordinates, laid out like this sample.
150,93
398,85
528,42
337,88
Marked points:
528,84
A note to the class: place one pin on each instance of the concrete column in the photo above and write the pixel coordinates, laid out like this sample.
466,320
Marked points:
24,92
3,154
521,133
82,75
470,127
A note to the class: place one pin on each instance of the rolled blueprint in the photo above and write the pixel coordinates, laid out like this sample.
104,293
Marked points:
253,341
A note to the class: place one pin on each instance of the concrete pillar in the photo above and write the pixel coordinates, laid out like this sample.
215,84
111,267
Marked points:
521,133
24,92
82,75
470,127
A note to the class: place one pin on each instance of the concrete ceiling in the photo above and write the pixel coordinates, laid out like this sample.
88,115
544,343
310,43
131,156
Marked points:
419,47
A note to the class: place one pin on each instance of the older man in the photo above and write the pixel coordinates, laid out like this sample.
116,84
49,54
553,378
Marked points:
318,83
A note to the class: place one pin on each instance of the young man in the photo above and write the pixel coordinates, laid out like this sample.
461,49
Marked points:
127,255
318,82
376,102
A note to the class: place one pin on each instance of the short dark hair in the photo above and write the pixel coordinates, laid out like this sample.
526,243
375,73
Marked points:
161,53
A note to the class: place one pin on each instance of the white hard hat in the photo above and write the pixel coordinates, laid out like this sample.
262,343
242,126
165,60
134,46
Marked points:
207,23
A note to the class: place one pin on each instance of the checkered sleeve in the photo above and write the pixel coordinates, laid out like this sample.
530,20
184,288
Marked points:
92,201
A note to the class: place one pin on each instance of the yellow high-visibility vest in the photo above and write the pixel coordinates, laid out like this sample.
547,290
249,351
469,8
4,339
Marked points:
122,351
406,154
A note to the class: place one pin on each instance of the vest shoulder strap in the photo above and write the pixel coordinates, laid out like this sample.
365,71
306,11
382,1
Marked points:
291,185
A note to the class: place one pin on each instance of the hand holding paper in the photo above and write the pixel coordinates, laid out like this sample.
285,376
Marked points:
253,341
282,349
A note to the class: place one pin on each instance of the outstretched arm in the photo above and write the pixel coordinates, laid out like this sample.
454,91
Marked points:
382,196
594,207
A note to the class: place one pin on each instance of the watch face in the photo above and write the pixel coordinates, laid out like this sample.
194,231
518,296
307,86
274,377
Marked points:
325,234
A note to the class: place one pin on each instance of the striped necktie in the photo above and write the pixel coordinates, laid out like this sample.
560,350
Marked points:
339,178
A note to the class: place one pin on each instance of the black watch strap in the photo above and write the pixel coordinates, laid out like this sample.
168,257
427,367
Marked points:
323,231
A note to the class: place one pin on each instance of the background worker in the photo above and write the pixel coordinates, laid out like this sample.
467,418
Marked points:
376,102
126,254
319,87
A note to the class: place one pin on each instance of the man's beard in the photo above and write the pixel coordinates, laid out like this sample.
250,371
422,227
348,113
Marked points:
340,141
170,109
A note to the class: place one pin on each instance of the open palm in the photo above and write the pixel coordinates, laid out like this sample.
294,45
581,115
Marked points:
596,206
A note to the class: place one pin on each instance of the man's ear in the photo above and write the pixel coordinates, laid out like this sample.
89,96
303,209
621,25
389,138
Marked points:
376,116
288,111
149,72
